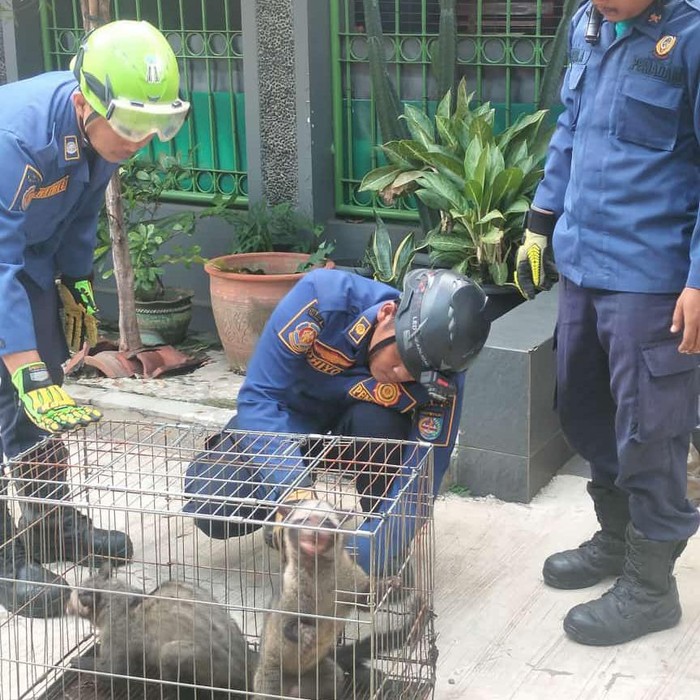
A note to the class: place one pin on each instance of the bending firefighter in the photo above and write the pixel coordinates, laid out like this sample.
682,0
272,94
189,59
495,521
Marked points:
63,135
344,355
619,205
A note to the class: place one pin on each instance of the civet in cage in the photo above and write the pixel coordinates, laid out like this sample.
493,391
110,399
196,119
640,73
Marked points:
225,594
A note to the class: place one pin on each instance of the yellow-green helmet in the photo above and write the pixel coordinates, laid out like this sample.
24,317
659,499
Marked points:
128,74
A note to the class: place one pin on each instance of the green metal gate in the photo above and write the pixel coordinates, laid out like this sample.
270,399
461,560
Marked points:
206,38
502,50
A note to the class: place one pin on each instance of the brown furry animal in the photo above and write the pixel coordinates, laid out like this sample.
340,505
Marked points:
178,633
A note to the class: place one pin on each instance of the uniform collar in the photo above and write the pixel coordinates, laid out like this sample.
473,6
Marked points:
653,20
360,330
71,151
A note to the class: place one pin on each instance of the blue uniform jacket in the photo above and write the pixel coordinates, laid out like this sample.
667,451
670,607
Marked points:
311,364
623,168
50,197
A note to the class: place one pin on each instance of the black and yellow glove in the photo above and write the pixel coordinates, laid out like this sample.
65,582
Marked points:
534,264
79,309
48,406
273,533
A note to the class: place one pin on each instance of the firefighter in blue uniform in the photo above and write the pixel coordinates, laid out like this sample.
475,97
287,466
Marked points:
62,136
619,201
348,356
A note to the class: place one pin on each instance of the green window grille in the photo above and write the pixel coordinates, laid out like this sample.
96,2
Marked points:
206,37
502,50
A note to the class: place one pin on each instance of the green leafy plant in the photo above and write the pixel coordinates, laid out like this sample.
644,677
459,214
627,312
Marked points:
279,227
143,184
480,182
389,264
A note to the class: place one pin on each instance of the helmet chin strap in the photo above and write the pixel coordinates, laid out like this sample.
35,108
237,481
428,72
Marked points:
381,344
83,125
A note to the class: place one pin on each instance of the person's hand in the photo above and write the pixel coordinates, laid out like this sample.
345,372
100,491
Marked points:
79,309
273,533
534,265
686,318
46,404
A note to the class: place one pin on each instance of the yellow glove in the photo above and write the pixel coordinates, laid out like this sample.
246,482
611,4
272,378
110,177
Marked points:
273,533
79,321
48,406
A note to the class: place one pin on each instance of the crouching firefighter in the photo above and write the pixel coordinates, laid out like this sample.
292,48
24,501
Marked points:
63,136
344,355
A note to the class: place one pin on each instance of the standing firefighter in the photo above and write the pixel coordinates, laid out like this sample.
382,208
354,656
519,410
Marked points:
348,356
620,201
63,135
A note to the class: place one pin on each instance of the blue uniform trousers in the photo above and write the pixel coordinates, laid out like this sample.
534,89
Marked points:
17,432
211,474
627,400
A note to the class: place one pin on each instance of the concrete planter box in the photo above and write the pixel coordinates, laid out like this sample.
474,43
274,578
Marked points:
511,443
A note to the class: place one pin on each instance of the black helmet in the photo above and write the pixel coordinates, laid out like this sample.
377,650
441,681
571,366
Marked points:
441,323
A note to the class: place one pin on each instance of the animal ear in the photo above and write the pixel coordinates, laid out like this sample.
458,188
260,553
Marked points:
284,509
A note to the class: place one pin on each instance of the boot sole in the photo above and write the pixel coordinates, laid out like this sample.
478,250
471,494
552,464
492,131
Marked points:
653,626
569,585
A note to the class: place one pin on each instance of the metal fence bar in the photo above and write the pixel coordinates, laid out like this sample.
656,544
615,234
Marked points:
502,51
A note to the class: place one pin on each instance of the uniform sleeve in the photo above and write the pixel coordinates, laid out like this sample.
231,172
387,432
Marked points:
262,401
436,426
20,178
550,192
74,257
693,73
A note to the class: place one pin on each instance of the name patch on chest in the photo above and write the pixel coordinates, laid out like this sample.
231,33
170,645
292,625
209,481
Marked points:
657,69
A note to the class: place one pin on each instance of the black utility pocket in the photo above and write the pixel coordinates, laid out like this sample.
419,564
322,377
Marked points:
668,391
648,113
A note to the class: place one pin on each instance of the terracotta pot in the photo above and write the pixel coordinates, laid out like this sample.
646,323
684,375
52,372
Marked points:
242,302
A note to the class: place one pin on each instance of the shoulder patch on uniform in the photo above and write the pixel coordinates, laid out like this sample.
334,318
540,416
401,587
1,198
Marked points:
71,148
301,330
383,394
430,422
302,337
26,189
434,422
359,330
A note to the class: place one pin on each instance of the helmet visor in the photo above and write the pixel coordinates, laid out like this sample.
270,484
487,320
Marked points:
136,121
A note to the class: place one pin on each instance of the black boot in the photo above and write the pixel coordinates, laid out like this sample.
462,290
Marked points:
25,587
56,532
644,599
603,555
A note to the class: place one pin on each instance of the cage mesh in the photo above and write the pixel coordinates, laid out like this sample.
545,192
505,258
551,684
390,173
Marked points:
131,477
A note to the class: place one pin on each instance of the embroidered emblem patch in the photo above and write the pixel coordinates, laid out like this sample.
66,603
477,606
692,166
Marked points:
386,394
26,189
664,46
53,189
328,360
430,424
359,330
302,337
71,150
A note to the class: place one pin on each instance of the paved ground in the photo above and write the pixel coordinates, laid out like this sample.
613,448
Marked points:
499,626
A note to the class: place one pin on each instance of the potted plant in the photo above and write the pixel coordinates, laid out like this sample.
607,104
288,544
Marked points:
163,313
389,264
480,182
272,246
